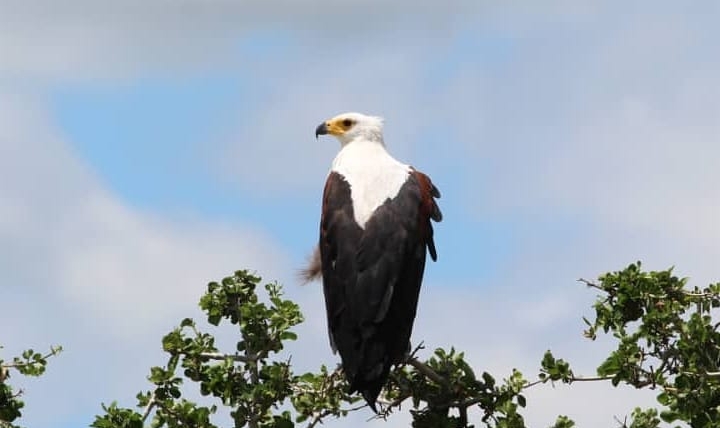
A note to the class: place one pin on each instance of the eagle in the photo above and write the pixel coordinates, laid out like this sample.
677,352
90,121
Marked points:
375,231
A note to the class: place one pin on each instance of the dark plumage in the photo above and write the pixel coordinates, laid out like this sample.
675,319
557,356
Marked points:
372,263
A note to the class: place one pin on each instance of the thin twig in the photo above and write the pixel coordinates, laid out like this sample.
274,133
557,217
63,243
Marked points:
53,351
590,379
537,382
590,284
569,380
148,408
319,417
420,346
708,374
691,294
656,296
623,423
476,400
388,406
221,357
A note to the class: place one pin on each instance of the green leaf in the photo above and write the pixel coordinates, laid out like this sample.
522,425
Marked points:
288,335
521,400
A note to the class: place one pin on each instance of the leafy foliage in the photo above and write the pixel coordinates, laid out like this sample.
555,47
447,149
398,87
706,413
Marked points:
666,339
30,363
255,382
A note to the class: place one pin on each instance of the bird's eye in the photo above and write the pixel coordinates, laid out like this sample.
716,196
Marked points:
347,123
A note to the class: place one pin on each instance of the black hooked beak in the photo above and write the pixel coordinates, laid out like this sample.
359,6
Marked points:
320,130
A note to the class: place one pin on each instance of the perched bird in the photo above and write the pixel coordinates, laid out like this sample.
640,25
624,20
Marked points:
374,232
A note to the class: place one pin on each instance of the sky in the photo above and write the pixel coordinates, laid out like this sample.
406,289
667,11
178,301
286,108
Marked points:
149,147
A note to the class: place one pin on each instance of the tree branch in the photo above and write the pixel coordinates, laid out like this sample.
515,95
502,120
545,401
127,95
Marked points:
389,405
151,403
463,416
708,374
222,357
590,284
319,417
590,379
427,371
16,365
472,401
569,380
537,382
686,293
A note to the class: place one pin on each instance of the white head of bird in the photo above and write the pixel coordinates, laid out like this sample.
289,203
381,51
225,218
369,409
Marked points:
349,127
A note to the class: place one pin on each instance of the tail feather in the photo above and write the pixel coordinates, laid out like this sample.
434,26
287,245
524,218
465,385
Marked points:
372,372
370,388
371,395
313,271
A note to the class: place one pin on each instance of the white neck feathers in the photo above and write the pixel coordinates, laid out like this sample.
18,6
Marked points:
373,175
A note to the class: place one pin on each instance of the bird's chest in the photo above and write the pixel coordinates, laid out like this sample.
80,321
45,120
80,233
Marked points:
372,185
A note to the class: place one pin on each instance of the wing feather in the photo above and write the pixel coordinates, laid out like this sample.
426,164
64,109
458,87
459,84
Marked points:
372,276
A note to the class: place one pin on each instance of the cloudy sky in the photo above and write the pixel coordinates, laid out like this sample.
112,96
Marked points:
151,146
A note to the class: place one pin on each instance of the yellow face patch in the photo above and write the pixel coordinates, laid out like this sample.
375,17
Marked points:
339,125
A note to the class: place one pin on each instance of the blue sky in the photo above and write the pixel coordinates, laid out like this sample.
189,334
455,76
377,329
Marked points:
151,147
151,142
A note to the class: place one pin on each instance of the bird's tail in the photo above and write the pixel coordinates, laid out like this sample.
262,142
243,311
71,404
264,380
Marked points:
313,271
372,373
370,388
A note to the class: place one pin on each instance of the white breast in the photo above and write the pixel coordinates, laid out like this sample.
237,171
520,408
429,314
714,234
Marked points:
374,176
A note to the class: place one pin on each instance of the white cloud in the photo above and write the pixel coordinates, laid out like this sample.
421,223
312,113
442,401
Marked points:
615,129
82,40
104,279
278,135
